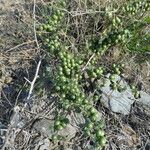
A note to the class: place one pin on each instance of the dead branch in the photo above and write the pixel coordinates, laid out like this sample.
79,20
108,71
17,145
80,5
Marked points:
34,80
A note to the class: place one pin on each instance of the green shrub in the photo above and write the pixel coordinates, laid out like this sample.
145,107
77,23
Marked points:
78,71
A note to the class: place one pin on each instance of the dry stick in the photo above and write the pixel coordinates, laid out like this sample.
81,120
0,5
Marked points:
148,73
38,115
88,62
3,93
34,80
17,46
35,36
17,109
16,101
39,63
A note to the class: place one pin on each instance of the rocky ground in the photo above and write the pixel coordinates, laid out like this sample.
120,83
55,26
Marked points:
127,121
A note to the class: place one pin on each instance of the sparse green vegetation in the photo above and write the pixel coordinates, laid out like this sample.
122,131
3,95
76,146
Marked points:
75,69
78,42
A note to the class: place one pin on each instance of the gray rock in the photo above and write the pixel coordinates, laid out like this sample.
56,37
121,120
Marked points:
69,132
121,102
116,101
77,119
145,98
45,126
44,144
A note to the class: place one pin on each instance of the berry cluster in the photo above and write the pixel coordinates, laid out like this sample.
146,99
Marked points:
135,7
70,78
119,31
135,91
53,21
112,38
60,123
96,129
95,72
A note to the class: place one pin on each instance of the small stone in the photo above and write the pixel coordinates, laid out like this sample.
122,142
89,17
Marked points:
116,101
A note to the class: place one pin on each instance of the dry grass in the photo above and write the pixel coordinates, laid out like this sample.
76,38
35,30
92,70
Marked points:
18,51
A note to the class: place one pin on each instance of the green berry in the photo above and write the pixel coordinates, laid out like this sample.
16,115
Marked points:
100,133
94,75
114,86
60,68
133,87
63,95
44,26
63,3
49,28
102,141
94,116
90,125
119,37
110,15
54,137
62,14
63,124
58,127
122,65
66,105
63,79
58,88
120,89
112,77
68,71
114,65
93,110
87,131
114,21
47,40
55,17
118,20
57,122
137,94
80,62
85,101
96,98
117,70
79,100
52,47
